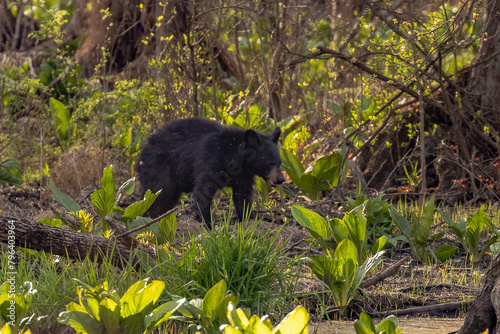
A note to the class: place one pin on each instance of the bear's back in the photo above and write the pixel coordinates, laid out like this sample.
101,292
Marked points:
183,132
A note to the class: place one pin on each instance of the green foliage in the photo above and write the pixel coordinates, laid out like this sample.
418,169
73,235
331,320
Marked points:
342,273
67,202
208,314
167,229
377,215
216,313
18,90
294,134
62,121
14,305
364,325
412,176
470,231
353,227
253,263
62,74
10,172
101,310
323,174
295,322
53,278
8,330
418,233
105,203
329,234
104,197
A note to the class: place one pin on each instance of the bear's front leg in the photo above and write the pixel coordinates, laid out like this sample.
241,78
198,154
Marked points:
242,198
204,192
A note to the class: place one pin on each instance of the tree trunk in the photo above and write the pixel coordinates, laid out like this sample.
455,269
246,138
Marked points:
484,85
485,309
63,242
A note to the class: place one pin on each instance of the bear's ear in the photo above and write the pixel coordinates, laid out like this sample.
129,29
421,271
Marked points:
275,136
252,137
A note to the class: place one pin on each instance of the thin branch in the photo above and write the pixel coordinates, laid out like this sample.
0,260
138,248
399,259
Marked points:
392,270
157,219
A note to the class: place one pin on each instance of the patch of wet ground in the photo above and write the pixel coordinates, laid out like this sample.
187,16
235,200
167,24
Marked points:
410,326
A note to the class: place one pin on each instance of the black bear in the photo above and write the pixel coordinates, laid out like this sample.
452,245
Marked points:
202,156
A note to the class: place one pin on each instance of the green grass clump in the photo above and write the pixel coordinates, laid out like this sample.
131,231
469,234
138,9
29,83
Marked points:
53,278
252,262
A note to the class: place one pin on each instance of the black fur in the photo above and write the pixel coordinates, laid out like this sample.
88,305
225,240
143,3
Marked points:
202,156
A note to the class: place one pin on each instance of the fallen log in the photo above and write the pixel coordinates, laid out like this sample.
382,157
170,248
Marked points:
65,242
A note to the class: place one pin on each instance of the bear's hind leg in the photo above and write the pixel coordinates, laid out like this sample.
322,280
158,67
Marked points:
204,192
165,201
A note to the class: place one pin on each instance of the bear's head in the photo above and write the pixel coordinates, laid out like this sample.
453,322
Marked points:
263,156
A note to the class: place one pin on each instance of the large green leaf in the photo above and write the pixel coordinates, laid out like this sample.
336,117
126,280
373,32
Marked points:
138,208
249,119
387,326
10,172
342,291
90,304
292,166
356,225
311,220
51,222
231,330
213,298
140,296
337,275
295,137
379,244
6,329
237,317
110,315
367,321
256,326
324,267
79,320
162,313
294,323
458,228
127,187
221,314
361,328
421,227
104,197
339,229
444,252
402,224
61,117
345,251
326,170
134,323
67,202
364,269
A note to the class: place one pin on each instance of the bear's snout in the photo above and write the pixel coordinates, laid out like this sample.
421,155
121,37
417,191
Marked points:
275,177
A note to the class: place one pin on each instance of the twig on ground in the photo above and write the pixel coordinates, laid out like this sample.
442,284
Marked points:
384,274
